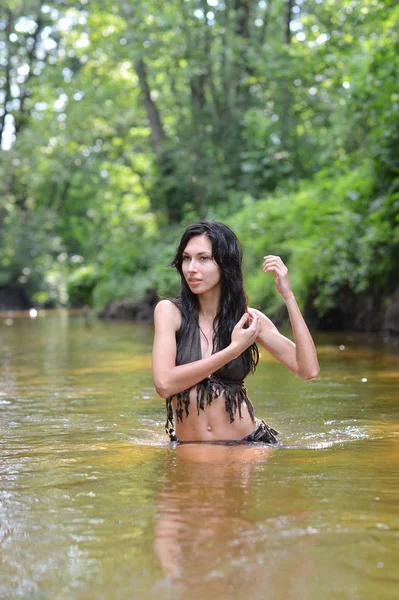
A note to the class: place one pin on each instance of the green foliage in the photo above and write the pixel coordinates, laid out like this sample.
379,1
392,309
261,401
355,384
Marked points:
122,122
333,233
31,254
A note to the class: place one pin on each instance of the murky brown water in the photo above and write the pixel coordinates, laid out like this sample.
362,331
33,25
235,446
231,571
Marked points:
95,504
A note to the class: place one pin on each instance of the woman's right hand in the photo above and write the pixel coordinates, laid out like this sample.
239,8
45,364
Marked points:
242,338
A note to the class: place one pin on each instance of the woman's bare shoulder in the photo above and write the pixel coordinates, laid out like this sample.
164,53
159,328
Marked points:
166,310
264,319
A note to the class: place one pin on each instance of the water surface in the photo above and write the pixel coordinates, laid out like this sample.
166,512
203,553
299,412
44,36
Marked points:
96,504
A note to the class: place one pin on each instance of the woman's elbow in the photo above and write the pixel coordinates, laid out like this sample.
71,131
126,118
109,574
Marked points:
161,390
309,375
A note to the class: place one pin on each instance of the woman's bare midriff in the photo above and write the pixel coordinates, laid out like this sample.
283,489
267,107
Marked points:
213,423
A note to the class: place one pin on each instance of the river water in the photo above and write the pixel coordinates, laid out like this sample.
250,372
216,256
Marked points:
96,504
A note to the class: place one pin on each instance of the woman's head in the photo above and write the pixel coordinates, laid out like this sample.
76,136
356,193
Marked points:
226,251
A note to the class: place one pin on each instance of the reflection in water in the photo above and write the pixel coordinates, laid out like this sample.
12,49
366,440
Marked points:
206,536
202,502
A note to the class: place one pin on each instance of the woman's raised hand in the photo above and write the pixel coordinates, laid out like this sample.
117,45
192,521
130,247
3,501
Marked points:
241,337
275,265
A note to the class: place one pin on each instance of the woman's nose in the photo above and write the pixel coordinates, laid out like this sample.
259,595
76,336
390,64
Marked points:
192,266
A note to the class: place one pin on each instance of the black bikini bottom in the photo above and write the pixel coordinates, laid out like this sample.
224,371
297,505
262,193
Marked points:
262,434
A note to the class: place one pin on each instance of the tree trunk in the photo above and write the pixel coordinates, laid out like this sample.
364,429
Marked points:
7,87
242,8
157,131
23,113
266,18
290,5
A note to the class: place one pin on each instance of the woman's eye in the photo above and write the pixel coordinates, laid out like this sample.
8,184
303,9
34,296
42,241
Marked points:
186,258
204,258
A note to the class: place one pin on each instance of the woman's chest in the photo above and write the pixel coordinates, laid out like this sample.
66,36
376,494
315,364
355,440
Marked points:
206,334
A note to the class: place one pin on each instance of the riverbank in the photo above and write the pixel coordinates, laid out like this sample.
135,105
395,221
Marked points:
362,314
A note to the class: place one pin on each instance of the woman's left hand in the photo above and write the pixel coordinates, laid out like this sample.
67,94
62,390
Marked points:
275,265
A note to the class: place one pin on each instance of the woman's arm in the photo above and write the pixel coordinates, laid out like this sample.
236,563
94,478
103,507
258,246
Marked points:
170,379
300,357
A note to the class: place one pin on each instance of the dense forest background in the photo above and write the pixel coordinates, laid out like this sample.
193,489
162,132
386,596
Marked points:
121,122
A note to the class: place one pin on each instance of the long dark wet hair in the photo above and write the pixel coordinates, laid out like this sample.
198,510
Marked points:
227,253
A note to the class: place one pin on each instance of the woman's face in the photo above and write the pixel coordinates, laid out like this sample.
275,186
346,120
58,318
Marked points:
200,270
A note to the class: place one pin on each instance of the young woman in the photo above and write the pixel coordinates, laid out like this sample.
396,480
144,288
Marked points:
205,341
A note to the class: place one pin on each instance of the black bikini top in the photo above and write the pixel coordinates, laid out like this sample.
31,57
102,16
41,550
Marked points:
190,351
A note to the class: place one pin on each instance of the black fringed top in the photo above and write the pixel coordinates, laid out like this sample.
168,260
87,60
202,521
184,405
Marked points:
229,381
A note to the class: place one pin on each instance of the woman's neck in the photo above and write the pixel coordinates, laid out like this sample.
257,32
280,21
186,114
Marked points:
209,305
